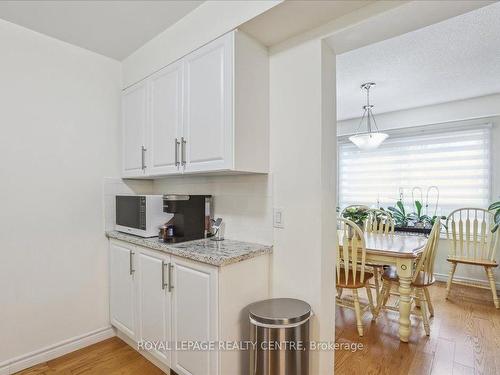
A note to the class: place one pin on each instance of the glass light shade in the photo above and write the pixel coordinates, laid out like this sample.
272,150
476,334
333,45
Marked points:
368,141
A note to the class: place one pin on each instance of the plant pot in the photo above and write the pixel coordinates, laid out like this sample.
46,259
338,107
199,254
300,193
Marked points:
413,230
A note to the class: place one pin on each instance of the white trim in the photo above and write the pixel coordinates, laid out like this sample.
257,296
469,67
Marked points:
444,278
54,351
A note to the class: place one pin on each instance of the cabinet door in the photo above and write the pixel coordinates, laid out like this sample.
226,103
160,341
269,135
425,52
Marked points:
165,121
122,288
208,93
154,302
134,120
194,316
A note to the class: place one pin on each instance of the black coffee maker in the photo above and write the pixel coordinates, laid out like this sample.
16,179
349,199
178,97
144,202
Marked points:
192,217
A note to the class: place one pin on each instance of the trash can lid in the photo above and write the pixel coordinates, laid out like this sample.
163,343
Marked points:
279,311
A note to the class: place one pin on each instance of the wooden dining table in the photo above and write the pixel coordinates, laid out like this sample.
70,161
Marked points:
399,250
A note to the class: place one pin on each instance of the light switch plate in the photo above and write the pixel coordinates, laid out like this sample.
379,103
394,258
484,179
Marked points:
278,218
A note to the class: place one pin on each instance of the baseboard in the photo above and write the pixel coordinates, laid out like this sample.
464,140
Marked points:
57,350
444,277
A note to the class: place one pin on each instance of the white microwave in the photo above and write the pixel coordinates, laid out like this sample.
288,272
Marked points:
141,215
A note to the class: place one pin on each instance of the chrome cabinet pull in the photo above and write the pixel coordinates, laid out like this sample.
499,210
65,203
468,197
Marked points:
143,157
163,284
177,143
183,151
170,269
130,259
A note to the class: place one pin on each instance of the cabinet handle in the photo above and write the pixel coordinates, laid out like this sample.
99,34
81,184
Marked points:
143,157
170,269
131,268
177,152
163,284
183,151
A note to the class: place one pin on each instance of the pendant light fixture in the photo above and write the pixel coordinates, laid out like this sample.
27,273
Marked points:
368,140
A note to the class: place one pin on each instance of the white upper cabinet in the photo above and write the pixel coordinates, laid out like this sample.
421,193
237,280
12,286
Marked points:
207,112
134,120
208,107
165,128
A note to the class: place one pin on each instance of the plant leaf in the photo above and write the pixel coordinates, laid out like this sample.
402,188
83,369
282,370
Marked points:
401,207
494,206
497,217
418,205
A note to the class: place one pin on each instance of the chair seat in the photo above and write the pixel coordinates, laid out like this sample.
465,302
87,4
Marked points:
351,284
478,262
423,279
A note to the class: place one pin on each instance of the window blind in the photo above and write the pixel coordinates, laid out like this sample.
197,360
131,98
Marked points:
457,162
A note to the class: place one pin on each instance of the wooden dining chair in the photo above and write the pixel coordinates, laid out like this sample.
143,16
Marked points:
472,243
423,277
351,270
381,222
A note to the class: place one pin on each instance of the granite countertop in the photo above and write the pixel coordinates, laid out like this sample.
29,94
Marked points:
216,253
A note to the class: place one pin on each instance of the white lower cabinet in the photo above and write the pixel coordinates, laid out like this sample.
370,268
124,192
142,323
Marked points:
154,302
160,299
123,288
194,316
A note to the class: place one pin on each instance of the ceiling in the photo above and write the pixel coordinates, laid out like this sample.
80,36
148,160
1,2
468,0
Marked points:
455,59
293,17
111,28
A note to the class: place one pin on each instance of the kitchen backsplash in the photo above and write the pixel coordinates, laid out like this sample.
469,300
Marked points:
243,201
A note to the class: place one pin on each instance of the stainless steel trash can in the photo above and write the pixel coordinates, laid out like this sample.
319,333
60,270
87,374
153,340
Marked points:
279,331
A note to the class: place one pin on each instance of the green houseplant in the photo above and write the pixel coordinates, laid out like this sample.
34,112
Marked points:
399,214
410,220
421,220
357,215
495,207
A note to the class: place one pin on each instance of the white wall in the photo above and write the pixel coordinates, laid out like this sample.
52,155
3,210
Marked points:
204,24
303,166
59,115
480,110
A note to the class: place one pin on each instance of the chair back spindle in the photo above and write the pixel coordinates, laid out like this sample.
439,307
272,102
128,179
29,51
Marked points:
379,221
351,258
469,230
426,262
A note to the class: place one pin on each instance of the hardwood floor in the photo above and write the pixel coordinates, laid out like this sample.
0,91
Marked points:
465,338
109,357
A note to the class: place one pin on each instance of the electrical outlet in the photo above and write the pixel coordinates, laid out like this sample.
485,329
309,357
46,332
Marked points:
278,218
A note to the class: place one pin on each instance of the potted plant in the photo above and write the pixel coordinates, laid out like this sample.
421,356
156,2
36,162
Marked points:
415,221
357,215
495,207
399,214
423,221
